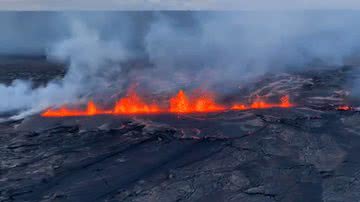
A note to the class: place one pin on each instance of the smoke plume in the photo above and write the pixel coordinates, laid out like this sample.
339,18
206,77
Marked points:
178,50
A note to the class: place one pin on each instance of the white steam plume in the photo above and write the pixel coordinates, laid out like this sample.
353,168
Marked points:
187,49
92,62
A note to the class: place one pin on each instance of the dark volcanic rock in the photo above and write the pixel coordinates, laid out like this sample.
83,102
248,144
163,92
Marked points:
34,68
306,153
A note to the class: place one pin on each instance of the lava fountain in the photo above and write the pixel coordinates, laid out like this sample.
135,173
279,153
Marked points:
132,103
203,102
344,108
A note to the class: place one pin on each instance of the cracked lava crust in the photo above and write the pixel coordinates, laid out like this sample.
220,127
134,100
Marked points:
308,152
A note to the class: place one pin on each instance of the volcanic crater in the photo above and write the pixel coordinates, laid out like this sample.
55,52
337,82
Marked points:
307,152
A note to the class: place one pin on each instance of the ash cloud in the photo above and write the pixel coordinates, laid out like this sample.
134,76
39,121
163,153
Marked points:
182,49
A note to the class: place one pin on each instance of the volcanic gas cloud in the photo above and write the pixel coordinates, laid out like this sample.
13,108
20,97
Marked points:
132,103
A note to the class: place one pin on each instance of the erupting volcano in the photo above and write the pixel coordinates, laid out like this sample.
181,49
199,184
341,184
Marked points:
132,103
344,108
201,103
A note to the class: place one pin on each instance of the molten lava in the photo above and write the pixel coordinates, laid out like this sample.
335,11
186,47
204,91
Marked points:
180,103
132,103
261,104
344,108
239,107
91,108
63,111
203,102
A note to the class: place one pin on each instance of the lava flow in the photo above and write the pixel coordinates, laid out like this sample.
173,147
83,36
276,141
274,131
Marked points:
261,104
344,108
132,103
91,110
202,103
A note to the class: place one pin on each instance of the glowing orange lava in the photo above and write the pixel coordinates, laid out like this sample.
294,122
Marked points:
261,104
202,102
91,108
180,103
132,103
239,107
343,108
63,111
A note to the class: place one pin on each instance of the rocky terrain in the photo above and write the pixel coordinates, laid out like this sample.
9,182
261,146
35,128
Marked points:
34,68
305,153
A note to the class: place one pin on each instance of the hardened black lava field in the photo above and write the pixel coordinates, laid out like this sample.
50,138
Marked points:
309,152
